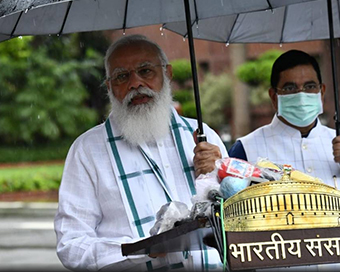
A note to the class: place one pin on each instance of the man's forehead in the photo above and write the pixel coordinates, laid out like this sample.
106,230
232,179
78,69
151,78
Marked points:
134,55
299,74
138,65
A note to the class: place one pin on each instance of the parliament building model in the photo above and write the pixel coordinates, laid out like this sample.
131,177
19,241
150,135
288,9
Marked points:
283,204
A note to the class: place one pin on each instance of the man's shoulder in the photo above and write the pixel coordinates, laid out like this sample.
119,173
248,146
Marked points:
191,121
92,135
327,130
237,151
255,133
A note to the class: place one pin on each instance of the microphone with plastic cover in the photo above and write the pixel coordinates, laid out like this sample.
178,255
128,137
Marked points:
214,194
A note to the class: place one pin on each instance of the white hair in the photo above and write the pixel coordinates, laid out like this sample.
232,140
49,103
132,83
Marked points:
132,39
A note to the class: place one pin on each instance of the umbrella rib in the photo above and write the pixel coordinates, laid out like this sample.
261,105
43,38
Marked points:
195,21
232,28
32,4
195,6
125,14
186,34
16,24
65,17
337,3
270,5
283,23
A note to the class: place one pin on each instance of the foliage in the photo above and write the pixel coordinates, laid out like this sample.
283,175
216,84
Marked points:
216,96
30,178
186,98
189,109
42,96
183,95
36,152
256,73
88,46
181,70
259,95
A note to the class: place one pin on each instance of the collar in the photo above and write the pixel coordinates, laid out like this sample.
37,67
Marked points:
282,128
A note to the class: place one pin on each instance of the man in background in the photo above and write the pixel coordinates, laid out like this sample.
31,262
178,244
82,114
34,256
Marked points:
295,136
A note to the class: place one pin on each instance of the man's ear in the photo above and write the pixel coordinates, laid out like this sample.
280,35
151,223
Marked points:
273,97
169,71
107,83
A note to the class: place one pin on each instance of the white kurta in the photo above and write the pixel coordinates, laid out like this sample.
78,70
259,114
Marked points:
283,144
109,195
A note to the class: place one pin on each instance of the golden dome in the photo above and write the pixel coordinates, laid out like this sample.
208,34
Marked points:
283,204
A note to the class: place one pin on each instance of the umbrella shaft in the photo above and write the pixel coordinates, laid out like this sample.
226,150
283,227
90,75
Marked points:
194,70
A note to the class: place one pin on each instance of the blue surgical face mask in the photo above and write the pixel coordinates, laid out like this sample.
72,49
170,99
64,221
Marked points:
300,109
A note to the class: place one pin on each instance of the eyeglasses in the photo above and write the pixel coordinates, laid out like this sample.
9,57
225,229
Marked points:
293,89
145,71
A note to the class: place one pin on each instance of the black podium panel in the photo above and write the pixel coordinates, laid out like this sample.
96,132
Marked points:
248,249
186,236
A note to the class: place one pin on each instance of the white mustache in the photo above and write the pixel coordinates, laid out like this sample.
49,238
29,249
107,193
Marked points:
141,90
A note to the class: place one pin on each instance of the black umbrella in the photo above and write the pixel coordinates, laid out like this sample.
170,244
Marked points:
69,16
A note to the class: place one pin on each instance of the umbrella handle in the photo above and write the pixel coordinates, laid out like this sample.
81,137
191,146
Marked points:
199,136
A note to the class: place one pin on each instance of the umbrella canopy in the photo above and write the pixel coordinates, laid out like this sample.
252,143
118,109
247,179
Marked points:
314,20
63,17
292,23
70,16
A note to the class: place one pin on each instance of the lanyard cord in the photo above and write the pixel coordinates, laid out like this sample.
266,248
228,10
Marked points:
157,171
225,262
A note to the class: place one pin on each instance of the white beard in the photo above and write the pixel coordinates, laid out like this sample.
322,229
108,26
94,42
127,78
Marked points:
145,122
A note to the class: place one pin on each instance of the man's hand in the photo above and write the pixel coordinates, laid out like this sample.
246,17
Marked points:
205,156
336,148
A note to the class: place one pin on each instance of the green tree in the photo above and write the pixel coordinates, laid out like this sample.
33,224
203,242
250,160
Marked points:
186,99
216,96
89,46
181,71
256,73
42,98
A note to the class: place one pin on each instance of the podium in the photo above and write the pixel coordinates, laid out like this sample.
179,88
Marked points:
272,224
248,250
187,235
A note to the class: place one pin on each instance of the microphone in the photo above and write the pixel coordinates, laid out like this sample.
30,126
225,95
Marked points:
213,195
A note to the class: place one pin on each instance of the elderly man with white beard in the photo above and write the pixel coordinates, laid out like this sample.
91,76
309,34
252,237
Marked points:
120,173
